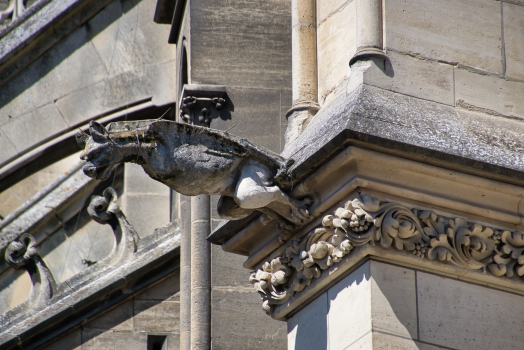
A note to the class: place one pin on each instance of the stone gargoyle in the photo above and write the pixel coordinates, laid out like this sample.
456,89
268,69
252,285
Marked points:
194,160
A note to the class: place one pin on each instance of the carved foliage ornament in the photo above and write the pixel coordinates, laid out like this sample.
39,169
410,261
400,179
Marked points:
366,220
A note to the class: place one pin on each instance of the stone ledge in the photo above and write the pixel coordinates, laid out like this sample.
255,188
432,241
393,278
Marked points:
93,291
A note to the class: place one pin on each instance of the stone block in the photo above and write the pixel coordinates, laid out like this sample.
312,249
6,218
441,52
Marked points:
349,310
119,318
222,37
383,341
256,114
35,127
419,78
123,39
146,212
307,329
119,91
238,322
328,8
460,315
54,69
227,269
393,300
130,340
64,251
96,339
9,202
472,40
168,289
513,40
136,181
155,316
70,341
479,90
336,44
7,147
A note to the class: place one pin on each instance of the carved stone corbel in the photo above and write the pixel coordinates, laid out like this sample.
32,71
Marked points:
104,210
22,254
199,104
367,220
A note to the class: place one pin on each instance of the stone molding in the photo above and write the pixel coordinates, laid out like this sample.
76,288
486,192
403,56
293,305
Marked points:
366,220
199,104
54,308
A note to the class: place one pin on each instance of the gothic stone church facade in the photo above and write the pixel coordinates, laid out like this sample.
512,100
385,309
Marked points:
403,121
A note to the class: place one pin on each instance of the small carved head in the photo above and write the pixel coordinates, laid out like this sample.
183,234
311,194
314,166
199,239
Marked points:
98,151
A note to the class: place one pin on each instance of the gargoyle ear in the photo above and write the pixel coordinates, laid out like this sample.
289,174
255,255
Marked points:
98,132
81,138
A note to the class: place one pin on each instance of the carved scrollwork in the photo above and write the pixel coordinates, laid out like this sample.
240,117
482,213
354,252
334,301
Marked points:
23,254
104,210
367,220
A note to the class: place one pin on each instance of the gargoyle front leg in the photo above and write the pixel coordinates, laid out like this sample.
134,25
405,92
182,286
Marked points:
251,193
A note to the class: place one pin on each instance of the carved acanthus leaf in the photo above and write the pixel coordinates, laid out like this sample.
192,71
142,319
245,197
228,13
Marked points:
366,220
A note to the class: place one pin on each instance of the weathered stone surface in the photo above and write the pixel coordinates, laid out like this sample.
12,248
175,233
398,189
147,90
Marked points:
130,340
477,90
227,270
350,296
96,339
167,289
115,92
71,341
8,148
416,127
141,69
328,8
513,38
156,316
217,49
308,327
393,300
490,315
416,26
382,341
415,77
336,44
122,36
256,115
147,211
34,127
117,319
238,324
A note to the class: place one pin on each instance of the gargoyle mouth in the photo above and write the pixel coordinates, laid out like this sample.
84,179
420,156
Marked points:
101,172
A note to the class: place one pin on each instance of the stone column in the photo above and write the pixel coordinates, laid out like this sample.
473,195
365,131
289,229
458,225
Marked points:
185,273
304,73
200,273
370,31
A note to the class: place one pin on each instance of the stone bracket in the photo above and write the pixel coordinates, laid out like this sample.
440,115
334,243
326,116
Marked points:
368,221
200,104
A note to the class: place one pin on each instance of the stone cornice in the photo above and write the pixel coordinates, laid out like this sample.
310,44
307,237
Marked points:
367,222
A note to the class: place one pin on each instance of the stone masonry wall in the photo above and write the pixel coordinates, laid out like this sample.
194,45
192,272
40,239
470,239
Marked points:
118,57
458,53
154,311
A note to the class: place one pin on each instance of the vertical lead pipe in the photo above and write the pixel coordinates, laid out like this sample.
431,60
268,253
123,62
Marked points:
200,273
185,273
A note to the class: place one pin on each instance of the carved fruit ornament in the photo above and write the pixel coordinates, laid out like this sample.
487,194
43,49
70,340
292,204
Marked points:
367,220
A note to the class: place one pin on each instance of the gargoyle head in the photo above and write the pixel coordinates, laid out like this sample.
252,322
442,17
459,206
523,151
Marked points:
99,151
